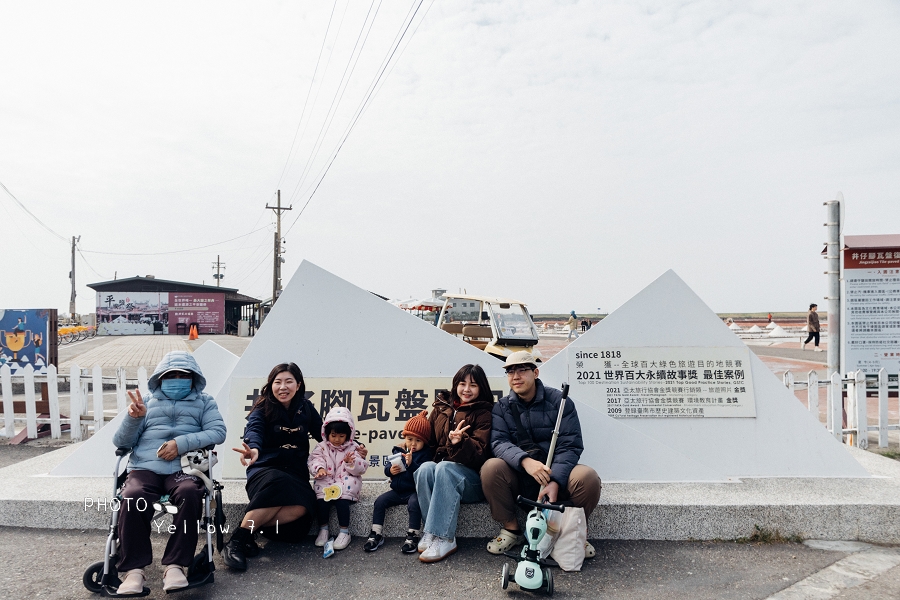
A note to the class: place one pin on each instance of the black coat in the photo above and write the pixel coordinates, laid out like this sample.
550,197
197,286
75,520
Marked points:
404,483
539,418
284,442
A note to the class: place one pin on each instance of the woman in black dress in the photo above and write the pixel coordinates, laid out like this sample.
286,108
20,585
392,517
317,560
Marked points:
275,451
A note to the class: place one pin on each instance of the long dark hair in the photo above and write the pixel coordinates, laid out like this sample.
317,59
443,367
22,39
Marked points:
267,402
480,379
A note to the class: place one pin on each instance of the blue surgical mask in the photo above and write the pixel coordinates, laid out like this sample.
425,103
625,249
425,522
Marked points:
176,389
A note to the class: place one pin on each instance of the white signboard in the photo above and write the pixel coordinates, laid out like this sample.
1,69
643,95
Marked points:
381,406
872,310
626,383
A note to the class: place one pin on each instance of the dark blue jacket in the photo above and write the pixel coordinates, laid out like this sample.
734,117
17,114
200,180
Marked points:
538,417
404,483
283,443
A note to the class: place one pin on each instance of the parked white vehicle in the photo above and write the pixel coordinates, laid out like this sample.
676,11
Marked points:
498,326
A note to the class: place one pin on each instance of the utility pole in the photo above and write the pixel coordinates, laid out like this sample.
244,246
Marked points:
72,277
217,267
276,273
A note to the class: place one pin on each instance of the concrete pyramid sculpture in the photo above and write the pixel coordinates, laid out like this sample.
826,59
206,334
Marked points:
782,440
339,335
96,455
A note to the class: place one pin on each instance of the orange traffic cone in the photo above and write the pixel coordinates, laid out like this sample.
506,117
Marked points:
193,335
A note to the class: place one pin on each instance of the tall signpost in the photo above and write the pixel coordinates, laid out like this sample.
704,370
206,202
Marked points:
872,298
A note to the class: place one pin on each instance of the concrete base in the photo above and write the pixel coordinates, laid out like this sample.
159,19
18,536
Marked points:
838,509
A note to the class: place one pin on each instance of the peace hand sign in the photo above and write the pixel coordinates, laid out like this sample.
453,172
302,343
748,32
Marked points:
137,408
248,454
457,434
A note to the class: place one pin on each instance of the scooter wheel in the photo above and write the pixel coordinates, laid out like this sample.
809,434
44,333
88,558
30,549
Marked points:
504,576
548,581
93,576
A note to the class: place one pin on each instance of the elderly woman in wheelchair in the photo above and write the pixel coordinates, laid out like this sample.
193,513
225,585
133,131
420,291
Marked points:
175,419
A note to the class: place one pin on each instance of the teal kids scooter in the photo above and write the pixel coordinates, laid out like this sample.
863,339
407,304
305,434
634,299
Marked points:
531,571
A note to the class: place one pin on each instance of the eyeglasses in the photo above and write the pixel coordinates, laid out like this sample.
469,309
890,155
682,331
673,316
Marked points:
519,369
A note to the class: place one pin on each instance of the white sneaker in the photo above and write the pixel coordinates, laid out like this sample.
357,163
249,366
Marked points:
803,345
322,537
426,540
439,549
132,583
342,541
818,350
174,578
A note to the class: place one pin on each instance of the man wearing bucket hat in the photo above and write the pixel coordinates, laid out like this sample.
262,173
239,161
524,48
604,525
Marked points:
523,423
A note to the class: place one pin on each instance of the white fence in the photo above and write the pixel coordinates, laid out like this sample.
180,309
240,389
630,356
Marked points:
855,386
81,419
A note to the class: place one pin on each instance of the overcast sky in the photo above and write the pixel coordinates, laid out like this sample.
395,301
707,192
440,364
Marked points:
565,154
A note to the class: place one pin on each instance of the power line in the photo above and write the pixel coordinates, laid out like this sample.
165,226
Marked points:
31,214
339,94
306,101
360,110
176,251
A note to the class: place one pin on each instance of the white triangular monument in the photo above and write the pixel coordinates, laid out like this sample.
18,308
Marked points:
96,456
335,331
782,440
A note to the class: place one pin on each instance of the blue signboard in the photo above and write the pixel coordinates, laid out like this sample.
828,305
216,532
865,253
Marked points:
24,338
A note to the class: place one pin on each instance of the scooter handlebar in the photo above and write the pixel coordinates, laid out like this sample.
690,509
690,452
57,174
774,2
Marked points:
542,505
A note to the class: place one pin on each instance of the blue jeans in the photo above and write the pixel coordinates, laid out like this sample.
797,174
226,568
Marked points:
441,488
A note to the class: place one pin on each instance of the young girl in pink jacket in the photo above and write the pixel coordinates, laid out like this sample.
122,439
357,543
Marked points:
337,468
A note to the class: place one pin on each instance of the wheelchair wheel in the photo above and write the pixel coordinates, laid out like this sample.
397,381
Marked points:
93,576
219,521
504,576
548,581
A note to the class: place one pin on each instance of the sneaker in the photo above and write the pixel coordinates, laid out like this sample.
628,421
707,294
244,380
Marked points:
174,578
322,537
133,583
589,551
439,549
410,544
817,349
803,345
233,555
374,542
341,541
505,540
426,540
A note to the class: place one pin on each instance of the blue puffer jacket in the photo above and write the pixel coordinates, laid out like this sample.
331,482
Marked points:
193,422
405,482
538,417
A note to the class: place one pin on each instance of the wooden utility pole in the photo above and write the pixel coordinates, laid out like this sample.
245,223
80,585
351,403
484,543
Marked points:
276,272
72,277
218,266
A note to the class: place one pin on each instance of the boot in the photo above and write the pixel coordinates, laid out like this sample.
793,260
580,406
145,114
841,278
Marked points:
233,553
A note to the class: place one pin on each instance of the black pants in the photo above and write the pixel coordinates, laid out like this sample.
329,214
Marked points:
142,489
391,498
341,505
813,334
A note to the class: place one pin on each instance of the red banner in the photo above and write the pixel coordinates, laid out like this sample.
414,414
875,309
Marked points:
871,258
205,309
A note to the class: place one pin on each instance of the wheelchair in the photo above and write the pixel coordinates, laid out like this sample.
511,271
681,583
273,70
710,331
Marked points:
103,578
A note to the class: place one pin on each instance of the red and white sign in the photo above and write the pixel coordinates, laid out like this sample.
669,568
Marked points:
205,309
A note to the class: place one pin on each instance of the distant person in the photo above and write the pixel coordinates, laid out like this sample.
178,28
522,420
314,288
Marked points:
572,323
584,325
770,317
812,327
590,324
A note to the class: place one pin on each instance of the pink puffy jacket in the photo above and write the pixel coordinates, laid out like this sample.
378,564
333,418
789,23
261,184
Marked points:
331,458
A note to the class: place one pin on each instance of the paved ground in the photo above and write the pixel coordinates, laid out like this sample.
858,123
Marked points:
622,570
